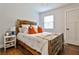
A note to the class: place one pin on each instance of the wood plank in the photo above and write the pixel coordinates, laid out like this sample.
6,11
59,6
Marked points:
11,51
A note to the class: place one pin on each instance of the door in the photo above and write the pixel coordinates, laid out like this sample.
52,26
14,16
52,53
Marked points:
72,27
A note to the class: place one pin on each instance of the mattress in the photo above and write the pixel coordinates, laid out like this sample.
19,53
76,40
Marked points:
38,41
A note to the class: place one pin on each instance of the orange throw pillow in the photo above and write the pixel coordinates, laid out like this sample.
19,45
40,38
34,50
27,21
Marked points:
31,30
40,29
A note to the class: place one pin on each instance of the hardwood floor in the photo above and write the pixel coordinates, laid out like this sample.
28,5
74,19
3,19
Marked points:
11,51
68,50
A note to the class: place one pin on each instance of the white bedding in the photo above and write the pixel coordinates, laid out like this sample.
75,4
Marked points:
38,41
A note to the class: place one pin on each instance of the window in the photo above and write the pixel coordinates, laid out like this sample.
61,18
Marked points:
49,22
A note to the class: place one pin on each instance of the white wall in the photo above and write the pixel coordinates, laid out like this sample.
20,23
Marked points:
9,13
60,18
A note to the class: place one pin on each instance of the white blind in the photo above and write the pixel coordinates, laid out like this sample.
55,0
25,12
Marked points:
49,22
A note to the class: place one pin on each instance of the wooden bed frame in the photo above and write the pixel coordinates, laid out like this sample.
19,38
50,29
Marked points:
19,22
25,47
22,45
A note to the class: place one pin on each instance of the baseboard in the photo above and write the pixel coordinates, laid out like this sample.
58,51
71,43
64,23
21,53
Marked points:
72,44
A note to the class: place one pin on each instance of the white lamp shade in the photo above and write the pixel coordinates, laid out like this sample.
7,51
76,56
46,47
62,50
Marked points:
12,28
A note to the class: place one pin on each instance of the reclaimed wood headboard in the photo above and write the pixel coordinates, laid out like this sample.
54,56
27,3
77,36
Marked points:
19,22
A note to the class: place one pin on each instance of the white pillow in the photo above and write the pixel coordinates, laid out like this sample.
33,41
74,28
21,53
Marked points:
26,26
24,29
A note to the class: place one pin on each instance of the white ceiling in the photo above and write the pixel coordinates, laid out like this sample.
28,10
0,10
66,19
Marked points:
42,7
39,7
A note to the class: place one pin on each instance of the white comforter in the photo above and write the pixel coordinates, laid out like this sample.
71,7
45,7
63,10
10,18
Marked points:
38,41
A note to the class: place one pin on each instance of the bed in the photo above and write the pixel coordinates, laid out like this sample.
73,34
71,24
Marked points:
41,43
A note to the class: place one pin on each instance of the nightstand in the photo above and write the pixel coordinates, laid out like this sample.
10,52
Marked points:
9,41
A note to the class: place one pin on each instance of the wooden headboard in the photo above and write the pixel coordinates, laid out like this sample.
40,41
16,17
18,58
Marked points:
19,22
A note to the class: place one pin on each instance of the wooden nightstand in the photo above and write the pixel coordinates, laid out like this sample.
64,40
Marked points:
9,41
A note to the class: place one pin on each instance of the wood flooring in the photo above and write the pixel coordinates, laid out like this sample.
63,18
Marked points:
68,50
11,51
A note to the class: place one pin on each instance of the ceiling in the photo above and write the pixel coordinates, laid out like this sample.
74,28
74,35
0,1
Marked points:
39,7
42,7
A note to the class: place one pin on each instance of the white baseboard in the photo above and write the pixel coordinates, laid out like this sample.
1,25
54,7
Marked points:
1,46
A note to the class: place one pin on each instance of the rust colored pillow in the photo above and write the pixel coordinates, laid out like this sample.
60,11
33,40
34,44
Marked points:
40,29
31,30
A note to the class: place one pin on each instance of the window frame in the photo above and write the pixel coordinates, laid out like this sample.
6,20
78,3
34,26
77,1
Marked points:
53,22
